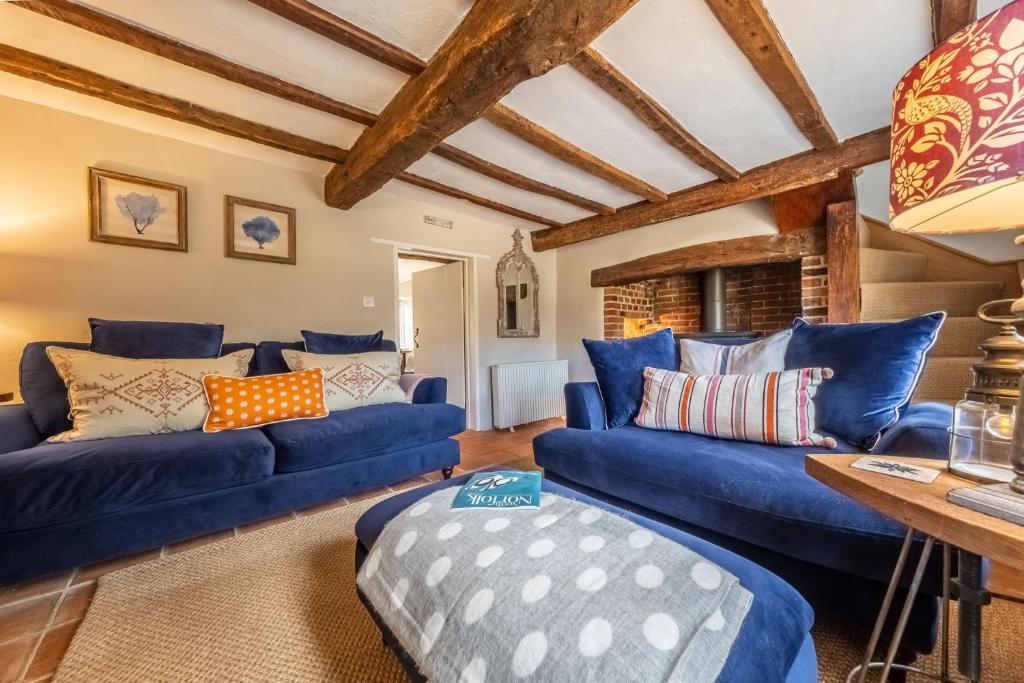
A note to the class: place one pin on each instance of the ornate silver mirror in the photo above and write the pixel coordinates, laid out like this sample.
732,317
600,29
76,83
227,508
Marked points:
516,276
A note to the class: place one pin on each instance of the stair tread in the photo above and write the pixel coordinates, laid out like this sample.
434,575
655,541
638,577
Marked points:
887,300
887,265
961,336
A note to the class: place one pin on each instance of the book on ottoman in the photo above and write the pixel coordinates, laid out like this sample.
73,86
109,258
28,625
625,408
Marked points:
503,489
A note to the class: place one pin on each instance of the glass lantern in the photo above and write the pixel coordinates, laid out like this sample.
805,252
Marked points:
981,438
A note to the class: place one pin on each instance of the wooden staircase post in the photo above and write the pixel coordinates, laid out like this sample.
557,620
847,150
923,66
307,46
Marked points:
843,259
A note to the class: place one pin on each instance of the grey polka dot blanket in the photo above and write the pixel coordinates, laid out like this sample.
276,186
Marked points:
568,592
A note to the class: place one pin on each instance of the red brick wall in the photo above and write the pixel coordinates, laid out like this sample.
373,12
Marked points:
763,298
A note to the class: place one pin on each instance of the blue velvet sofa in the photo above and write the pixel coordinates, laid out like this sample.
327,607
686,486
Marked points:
755,500
64,505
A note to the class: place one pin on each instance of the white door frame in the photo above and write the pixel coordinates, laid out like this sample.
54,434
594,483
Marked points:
469,299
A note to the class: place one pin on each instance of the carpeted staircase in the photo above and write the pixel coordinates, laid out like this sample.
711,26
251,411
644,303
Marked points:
894,286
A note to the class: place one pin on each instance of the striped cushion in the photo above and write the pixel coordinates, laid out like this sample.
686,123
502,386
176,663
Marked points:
770,407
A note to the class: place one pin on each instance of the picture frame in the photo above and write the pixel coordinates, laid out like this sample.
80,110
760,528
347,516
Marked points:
133,211
258,231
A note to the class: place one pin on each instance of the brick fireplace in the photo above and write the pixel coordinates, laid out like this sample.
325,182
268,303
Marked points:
761,298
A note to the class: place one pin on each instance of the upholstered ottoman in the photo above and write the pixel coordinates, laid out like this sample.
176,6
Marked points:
770,633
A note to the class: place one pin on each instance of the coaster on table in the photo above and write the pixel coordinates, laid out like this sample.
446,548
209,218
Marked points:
893,468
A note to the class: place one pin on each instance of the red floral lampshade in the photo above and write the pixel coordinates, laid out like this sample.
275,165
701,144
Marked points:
958,132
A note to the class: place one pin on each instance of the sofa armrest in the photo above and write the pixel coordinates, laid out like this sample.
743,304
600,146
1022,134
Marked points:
17,431
420,388
922,432
584,406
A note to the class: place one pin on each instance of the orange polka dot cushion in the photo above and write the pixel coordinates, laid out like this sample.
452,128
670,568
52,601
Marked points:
243,402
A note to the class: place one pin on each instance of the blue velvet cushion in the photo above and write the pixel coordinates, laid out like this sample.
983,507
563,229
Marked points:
619,366
876,365
42,389
56,482
145,339
326,342
774,634
361,432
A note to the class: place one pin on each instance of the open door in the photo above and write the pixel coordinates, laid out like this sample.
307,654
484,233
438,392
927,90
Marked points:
439,326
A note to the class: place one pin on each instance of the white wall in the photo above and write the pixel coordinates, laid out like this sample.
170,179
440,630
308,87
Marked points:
580,306
52,277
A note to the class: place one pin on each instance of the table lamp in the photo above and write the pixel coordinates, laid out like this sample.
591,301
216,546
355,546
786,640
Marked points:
957,167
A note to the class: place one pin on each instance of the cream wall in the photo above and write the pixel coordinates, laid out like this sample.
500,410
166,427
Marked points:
580,306
52,277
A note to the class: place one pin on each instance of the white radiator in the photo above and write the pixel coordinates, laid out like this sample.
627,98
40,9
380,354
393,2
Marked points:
527,392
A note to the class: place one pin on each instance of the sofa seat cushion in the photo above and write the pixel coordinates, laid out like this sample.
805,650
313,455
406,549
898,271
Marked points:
56,482
754,492
353,434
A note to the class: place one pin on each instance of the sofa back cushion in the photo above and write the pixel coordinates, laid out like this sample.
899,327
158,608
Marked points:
42,389
327,342
149,339
619,366
877,366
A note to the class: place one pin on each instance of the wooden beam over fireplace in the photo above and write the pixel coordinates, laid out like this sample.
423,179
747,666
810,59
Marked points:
745,251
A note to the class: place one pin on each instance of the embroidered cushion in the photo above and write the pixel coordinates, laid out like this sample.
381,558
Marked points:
326,342
877,368
112,396
355,379
619,366
241,403
771,407
149,339
763,355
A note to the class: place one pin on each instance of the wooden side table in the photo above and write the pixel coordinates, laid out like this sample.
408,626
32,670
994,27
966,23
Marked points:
923,508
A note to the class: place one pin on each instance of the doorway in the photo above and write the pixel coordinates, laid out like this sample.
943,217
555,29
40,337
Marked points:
432,319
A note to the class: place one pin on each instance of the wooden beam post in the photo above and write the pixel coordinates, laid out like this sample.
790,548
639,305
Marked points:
808,206
800,170
949,16
499,44
843,260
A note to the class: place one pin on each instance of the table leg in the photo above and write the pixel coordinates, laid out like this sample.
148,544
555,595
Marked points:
947,578
972,596
908,604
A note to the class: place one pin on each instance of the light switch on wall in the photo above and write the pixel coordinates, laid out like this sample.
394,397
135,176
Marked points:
368,302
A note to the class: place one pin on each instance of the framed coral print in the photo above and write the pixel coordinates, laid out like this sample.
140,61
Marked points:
137,212
258,231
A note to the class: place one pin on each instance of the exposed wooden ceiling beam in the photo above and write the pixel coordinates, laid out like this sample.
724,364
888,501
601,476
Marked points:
949,16
499,44
155,43
435,186
141,38
37,67
484,167
329,25
62,75
603,74
753,31
527,130
799,170
744,251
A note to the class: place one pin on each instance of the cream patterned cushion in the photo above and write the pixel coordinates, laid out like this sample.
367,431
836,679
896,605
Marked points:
112,396
354,379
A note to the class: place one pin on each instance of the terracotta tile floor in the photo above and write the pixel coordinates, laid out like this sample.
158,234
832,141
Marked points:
39,618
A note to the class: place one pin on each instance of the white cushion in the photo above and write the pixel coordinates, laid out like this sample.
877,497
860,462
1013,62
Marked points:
352,380
764,355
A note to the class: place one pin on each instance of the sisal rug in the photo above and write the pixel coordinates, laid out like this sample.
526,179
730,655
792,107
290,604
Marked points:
280,605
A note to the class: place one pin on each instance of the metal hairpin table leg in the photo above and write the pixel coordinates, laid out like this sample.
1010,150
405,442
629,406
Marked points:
860,671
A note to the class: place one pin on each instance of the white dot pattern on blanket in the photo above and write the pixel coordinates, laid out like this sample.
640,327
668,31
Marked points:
591,544
529,654
706,576
430,632
649,576
589,516
716,622
641,538
405,542
449,530
546,500
540,548
661,631
536,588
438,570
592,580
595,638
399,593
544,521
496,524
372,563
479,605
474,672
419,509
489,555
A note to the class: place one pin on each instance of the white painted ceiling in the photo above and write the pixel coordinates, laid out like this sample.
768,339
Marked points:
851,52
